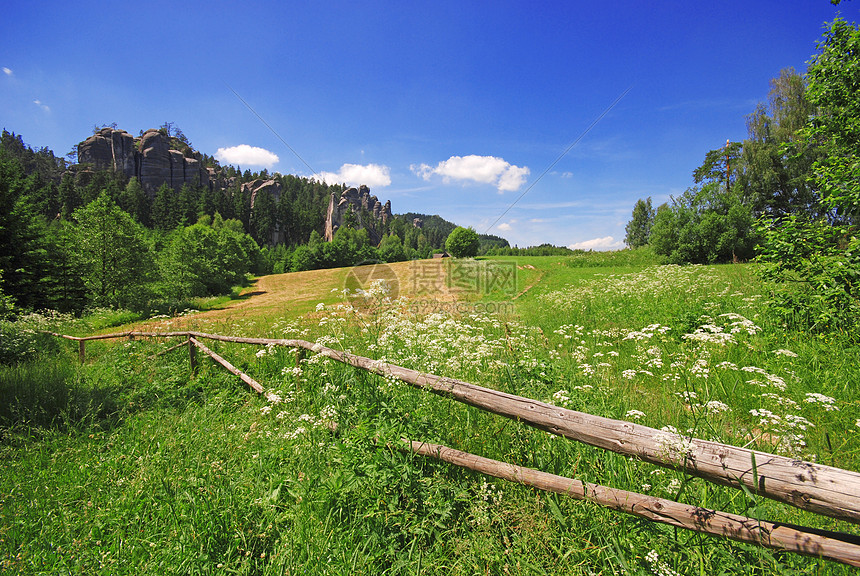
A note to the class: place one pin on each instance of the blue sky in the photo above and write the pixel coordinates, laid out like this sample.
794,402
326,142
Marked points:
449,108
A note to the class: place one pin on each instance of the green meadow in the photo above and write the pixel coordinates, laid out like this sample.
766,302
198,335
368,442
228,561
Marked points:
132,464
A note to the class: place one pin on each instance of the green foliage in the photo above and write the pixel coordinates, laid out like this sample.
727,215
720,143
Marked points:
541,250
21,339
639,227
136,202
22,245
816,268
776,162
833,77
704,226
391,249
462,243
115,259
491,242
165,209
434,228
815,263
63,283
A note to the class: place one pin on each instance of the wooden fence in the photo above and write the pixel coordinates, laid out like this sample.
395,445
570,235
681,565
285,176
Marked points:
810,486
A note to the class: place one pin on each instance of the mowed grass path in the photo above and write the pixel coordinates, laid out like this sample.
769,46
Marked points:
296,294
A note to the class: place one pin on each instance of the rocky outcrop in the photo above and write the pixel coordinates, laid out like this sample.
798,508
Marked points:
109,149
260,186
150,159
368,212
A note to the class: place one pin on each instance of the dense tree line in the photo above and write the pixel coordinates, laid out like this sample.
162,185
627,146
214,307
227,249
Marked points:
766,176
72,237
541,250
789,194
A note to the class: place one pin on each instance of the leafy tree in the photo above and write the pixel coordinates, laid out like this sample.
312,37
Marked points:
815,262
115,259
704,226
134,200
719,165
348,248
63,284
391,249
776,159
834,77
816,268
22,251
165,210
303,258
463,242
187,202
69,196
639,227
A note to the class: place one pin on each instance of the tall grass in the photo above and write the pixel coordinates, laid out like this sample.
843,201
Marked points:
157,470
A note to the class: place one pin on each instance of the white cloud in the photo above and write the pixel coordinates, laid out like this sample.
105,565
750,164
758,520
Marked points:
7,71
41,105
599,244
504,176
372,175
244,155
504,226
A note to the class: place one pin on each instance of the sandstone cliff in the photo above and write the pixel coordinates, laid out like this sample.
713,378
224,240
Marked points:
149,159
368,211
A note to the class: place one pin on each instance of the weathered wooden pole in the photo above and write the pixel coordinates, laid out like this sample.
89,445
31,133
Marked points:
192,355
230,368
300,355
811,542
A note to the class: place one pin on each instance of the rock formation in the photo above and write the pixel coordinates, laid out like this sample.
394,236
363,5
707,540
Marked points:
368,211
109,149
150,159
271,187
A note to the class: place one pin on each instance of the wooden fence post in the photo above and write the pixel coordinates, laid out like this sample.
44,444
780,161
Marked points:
300,355
192,355
82,350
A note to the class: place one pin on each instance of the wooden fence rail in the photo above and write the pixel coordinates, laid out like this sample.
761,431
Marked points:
815,487
831,545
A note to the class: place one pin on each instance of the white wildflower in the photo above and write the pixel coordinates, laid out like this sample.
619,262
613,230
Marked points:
657,567
670,442
782,352
828,403
715,407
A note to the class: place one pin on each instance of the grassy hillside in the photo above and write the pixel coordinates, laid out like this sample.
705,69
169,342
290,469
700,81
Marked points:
131,464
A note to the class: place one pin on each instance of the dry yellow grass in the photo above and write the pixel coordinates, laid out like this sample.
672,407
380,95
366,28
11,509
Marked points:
297,293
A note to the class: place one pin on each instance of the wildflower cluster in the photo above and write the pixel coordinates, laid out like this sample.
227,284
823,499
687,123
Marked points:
655,281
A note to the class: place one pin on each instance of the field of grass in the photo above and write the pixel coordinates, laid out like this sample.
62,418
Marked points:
132,464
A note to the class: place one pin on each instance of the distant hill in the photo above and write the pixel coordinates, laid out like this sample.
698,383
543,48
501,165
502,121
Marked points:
436,229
